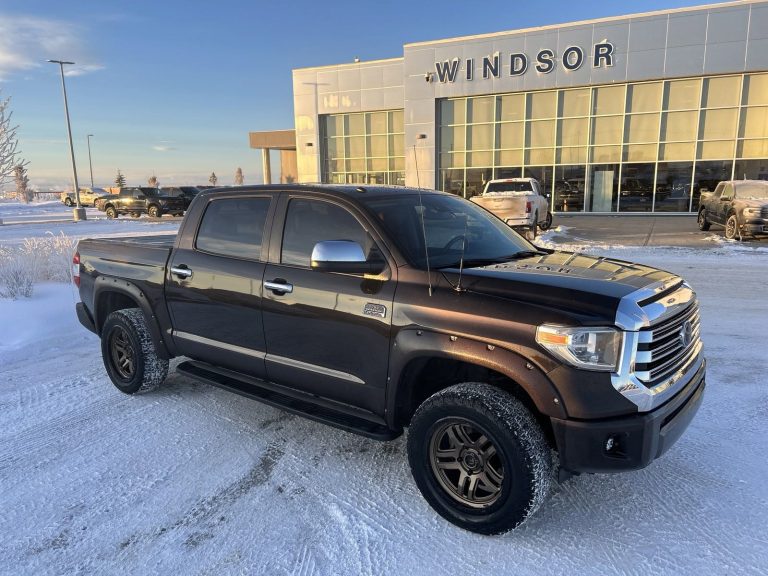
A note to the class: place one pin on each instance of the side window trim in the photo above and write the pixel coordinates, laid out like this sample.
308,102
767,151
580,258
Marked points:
364,225
265,233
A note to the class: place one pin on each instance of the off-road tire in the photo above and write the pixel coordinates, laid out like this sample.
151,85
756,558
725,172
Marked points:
111,212
129,353
154,211
520,451
69,202
702,221
732,228
547,224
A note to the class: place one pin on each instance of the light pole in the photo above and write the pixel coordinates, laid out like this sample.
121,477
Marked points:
90,164
79,211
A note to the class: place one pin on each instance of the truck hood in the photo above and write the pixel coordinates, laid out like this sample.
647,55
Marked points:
563,280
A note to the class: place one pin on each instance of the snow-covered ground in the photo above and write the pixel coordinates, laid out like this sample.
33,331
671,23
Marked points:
194,480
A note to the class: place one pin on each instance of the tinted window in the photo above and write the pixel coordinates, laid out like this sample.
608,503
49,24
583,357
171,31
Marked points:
311,221
446,222
234,227
523,186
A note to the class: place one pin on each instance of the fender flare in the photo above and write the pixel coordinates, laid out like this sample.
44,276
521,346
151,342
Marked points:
104,284
412,344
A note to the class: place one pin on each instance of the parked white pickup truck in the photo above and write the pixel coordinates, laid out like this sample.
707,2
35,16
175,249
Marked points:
517,201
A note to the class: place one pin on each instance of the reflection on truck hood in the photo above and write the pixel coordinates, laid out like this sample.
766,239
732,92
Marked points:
561,279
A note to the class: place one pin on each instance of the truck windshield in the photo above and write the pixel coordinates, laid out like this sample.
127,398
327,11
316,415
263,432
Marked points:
752,191
449,222
522,186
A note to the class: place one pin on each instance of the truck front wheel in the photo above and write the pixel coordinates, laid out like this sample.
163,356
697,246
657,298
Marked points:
129,354
111,212
479,458
154,211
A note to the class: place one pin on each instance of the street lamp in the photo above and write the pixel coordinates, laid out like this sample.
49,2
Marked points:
90,164
79,211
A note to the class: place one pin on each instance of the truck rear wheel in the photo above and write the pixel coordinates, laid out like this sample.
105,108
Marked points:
547,224
479,458
129,353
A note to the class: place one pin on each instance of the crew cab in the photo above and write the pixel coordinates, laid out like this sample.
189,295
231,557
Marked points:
375,309
519,202
141,200
740,206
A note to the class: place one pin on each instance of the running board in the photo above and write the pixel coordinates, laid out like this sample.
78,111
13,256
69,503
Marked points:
312,407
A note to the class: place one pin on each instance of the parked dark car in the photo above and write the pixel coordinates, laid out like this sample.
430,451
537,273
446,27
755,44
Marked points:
373,309
740,206
188,193
140,200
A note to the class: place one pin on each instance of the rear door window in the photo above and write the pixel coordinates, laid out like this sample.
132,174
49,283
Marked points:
234,227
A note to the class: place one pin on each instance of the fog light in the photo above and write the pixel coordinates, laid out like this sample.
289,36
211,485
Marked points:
609,444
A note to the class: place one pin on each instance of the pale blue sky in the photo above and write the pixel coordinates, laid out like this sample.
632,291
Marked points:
173,87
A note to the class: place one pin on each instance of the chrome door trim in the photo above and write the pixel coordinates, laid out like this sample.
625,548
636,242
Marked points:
291,363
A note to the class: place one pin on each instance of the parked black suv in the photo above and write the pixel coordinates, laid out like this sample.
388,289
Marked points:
187,193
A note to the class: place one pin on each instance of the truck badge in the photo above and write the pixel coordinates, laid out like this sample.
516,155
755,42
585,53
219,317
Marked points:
378,310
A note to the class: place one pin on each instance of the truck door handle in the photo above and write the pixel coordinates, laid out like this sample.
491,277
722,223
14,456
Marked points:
279,286
181,271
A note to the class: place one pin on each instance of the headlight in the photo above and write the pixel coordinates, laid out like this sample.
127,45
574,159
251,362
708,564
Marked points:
752,211
588,348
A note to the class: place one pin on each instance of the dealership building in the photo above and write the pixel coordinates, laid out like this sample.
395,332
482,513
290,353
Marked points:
637,113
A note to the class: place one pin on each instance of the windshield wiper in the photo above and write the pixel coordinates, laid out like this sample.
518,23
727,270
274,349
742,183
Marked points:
477,262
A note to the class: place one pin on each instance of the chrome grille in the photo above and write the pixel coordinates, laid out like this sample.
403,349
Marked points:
764,212
662,350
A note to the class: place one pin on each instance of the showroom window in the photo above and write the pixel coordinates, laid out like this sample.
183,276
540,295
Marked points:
644,146
366,148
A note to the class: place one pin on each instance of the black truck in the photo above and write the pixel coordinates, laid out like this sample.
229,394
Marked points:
141,200
374,309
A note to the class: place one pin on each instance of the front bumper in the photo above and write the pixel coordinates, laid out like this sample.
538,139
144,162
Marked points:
637,440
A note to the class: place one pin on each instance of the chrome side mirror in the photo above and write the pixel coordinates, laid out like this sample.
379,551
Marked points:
343,256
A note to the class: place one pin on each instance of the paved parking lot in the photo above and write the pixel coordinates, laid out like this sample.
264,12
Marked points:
642,230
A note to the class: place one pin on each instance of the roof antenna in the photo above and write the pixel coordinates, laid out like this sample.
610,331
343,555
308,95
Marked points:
421,212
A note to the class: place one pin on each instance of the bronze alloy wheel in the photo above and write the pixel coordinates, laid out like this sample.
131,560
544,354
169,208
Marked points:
731,227
466,463
122,354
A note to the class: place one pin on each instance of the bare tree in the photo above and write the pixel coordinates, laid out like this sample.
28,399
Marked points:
152,181
239,177
213,179
120,179
9,145
23,193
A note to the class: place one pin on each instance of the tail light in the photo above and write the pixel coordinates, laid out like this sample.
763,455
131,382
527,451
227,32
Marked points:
76,269
528,207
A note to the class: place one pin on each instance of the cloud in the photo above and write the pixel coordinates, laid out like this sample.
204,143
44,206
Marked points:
26,42
84,69
162,148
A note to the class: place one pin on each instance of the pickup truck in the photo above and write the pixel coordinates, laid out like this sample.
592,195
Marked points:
140,200
519,202
740,206
88,196
374,309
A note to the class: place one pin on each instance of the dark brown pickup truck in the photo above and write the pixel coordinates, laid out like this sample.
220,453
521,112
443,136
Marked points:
378,308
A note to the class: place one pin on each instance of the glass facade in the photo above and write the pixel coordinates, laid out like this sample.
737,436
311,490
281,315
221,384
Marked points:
635,147
363,148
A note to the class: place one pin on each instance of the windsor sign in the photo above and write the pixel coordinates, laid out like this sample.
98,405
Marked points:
572,58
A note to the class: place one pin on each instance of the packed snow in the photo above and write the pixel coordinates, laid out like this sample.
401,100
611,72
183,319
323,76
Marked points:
191,479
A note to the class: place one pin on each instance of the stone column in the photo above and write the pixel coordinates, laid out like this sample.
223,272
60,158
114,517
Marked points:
265,166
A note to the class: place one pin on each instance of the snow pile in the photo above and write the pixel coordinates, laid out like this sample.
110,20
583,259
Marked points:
41,259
